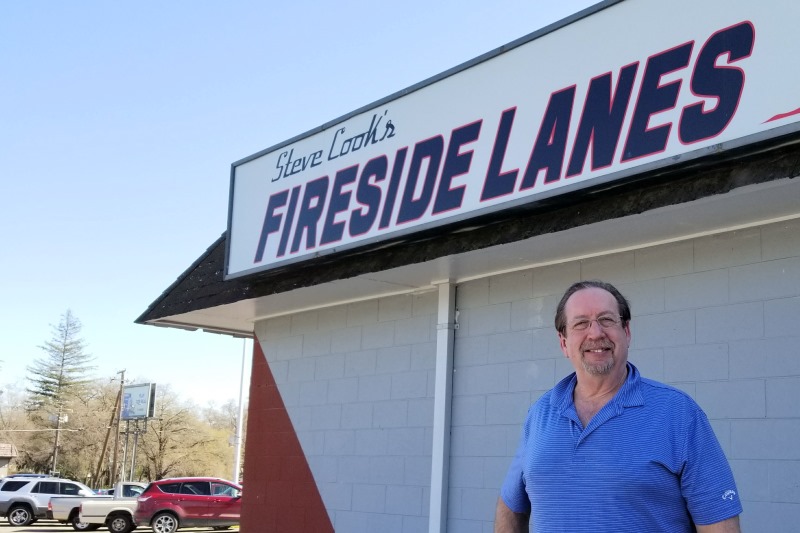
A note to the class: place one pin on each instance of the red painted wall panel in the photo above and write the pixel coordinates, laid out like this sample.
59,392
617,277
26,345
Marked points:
280,494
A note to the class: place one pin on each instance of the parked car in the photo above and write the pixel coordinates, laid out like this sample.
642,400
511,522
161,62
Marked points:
66,509
169,504
23,500
115,512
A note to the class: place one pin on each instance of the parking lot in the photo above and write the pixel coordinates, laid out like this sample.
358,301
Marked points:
50,526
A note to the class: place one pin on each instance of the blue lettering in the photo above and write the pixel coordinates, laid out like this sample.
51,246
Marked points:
430,150
332,231
272,222
394,185
499,183
655,98
551,143
455,164
724,83
601,122
310,212
287,227
368,195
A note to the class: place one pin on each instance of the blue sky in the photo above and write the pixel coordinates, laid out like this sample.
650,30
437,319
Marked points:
120,121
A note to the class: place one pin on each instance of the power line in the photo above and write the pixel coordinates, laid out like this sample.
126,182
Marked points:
48,429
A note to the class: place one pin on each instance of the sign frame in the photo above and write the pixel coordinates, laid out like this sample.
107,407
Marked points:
273,219
138,401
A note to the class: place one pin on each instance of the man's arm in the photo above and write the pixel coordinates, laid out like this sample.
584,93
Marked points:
507,521
731,525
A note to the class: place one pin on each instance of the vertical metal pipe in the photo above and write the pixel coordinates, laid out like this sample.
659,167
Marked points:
237,464
440,456
133,451
124,453
54,469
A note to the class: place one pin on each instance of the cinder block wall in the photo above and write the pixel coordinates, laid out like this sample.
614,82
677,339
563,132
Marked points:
358,384
717,316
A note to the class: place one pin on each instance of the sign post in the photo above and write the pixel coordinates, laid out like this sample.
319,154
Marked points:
138,404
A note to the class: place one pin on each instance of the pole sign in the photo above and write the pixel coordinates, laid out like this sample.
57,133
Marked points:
633,86
138,401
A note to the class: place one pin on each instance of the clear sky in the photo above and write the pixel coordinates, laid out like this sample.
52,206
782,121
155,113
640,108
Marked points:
118,125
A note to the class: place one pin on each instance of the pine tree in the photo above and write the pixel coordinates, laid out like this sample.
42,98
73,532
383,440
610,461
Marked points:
63,371
57,379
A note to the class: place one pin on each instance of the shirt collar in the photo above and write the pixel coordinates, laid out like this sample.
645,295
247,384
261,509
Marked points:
629,395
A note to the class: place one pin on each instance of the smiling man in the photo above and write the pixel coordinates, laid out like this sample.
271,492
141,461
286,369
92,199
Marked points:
608,451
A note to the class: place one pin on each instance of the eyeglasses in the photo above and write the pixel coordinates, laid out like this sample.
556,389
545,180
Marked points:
605,322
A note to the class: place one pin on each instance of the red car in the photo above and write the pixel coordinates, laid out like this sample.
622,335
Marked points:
169,504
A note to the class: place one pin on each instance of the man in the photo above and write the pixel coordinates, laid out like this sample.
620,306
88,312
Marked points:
608,451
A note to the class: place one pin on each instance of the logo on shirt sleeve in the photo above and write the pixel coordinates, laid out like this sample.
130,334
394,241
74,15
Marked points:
729,495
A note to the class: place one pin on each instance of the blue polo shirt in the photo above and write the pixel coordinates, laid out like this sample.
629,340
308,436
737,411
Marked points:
647,462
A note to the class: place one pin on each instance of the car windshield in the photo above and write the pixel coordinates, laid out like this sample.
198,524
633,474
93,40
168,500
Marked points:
131,491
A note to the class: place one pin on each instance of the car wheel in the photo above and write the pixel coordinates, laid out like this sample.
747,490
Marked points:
21,515
164,523
120,523
77,525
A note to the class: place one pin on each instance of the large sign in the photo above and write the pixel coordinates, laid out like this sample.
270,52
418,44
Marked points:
138,401
636,85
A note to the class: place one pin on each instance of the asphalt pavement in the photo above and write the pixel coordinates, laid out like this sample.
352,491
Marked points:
51,526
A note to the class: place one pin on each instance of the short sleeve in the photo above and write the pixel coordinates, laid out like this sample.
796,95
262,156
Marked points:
707,480
513,489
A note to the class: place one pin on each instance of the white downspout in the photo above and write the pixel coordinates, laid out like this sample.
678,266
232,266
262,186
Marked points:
440,456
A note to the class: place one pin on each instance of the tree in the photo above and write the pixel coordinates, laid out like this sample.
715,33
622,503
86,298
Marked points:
223,421
63,371
58,380
181,440
15,427
179,443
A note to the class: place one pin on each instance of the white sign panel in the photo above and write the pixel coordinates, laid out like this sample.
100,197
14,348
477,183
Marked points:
138,401
638,85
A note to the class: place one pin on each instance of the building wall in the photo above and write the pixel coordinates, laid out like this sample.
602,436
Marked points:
357,382
716,316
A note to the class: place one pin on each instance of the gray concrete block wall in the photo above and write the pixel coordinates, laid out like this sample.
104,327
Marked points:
717,317
357,382
505,357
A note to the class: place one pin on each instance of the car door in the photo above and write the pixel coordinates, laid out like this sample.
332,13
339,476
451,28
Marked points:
194,501
226,504
41,494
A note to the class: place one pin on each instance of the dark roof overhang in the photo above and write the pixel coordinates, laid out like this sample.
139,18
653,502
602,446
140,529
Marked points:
749,185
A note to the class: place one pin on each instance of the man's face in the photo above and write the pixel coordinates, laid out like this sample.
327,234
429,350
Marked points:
596,350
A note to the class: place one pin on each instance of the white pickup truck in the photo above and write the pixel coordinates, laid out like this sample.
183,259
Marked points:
66,509
116,513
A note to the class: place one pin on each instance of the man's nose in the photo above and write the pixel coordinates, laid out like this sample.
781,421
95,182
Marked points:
595,328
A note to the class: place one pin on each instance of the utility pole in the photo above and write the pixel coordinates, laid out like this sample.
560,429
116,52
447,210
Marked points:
54,469
114,414
113,476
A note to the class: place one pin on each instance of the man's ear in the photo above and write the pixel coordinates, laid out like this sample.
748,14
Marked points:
562,342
